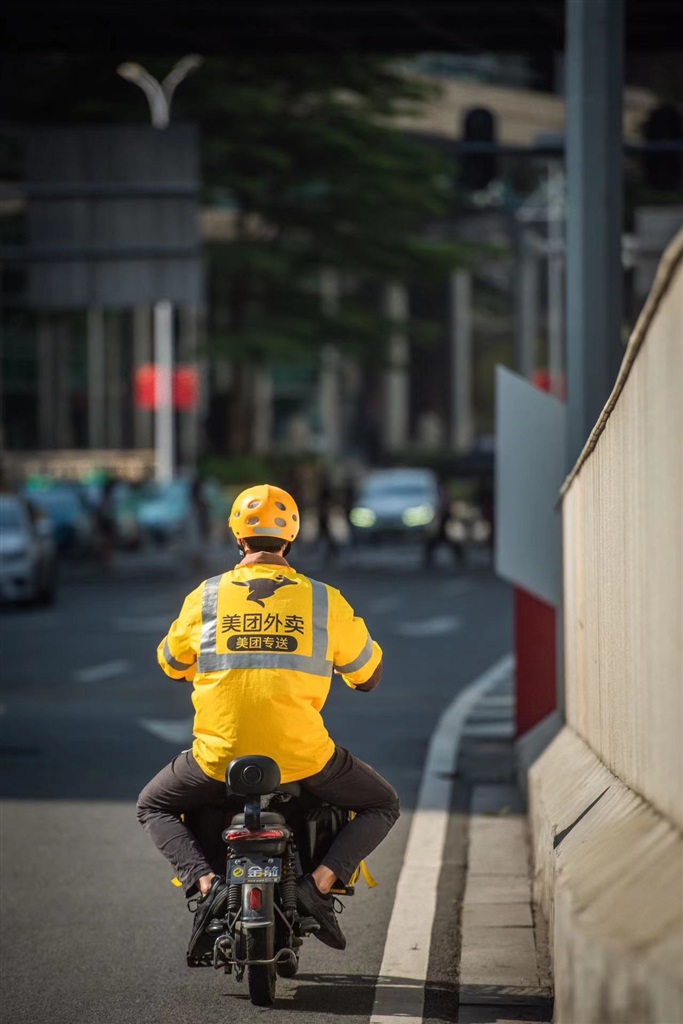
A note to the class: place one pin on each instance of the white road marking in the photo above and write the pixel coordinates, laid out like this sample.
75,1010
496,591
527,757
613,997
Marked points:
490,730
99,673
144,624
406,950
439,625
172,730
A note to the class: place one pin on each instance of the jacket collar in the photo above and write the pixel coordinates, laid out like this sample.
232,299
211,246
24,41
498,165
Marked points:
263,558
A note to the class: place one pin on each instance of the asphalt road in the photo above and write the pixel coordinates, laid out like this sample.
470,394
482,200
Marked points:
92,930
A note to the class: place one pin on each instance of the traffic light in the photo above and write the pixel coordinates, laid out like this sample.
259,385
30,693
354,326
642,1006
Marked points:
478,169
663,172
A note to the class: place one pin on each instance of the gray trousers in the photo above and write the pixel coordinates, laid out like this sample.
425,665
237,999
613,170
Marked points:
182,788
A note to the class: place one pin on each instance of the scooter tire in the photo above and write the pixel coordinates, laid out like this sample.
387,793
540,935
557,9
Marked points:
261,978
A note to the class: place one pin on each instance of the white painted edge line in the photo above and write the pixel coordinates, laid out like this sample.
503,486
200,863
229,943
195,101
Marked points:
400,990
98,673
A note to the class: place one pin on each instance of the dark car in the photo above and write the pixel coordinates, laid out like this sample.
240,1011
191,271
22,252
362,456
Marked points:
70,517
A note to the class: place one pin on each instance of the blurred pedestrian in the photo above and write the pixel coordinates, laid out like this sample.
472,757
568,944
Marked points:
348,504
325,506
105,521
440,534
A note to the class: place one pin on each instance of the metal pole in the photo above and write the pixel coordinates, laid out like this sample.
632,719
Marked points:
396,393
329,381
526,309
594,211
555,269
462,420
163,361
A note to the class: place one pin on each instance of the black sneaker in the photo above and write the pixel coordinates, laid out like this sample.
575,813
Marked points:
208,907
322,908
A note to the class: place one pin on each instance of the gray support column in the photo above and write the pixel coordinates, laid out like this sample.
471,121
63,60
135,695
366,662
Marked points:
96,379
142,356
526,309
555,279
594,210
164,432
462,419
396,393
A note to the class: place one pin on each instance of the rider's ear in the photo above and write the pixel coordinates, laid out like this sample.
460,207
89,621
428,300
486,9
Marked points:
288,548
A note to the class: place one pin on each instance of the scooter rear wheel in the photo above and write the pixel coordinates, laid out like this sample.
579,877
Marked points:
261,978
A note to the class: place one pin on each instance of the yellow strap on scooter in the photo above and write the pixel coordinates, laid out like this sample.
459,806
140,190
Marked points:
365,871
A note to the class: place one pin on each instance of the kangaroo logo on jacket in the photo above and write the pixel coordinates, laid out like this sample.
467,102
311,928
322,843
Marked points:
261,589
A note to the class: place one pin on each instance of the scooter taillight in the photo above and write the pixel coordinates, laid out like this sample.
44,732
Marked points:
235,834
255,900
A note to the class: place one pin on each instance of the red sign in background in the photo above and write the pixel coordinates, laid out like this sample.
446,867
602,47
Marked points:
185,387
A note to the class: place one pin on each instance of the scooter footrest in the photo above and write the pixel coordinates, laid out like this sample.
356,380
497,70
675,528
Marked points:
308,925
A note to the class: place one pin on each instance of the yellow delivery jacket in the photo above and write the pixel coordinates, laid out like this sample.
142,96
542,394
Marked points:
259,644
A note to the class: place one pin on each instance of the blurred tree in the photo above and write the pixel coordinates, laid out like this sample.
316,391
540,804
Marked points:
302,155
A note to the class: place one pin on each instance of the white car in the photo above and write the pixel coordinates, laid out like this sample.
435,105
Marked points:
28,555
397,503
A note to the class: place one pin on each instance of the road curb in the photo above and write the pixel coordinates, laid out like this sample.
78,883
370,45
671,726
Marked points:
504,971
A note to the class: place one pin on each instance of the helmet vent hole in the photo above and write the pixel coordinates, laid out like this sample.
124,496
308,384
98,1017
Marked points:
253,504
280,522
295,517
279,504
253,521
237,515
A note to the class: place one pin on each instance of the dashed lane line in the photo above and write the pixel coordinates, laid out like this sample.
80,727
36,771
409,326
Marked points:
171,730
400,991
438,625
100,673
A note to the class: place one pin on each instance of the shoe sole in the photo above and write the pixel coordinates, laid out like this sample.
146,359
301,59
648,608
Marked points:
332,939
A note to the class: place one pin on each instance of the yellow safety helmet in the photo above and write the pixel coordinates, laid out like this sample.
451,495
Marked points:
265,511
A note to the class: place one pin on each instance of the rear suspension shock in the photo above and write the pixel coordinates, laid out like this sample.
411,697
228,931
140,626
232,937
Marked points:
234,899
288,883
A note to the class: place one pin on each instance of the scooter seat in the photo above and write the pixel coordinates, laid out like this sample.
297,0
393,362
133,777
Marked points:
267,818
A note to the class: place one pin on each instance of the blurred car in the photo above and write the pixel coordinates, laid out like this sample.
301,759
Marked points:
28,556
164,510
74,527
396,503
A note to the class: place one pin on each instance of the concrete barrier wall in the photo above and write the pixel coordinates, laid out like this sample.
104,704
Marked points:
623,562
609,878
606,796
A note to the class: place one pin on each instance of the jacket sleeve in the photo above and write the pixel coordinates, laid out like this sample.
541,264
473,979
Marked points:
355,654
177,652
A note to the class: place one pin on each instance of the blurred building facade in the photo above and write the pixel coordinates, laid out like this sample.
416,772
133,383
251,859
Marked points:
507,310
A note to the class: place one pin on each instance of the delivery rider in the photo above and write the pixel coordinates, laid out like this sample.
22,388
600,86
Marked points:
260,644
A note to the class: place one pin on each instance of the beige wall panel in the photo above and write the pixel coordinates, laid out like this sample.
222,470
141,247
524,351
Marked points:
623,564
